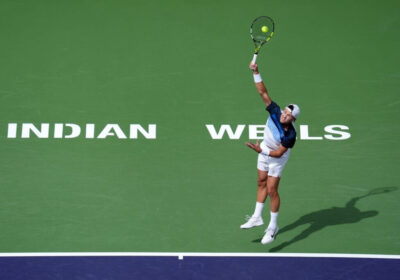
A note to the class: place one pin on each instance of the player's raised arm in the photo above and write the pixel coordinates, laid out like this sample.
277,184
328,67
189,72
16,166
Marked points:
262,90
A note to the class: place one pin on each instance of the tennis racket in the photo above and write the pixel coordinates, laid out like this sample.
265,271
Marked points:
261,31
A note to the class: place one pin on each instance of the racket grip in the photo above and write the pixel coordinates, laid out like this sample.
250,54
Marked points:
254,59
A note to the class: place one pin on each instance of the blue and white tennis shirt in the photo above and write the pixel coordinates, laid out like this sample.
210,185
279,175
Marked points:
274,134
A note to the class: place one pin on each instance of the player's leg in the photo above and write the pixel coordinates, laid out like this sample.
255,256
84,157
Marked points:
272,229
272,189
262,192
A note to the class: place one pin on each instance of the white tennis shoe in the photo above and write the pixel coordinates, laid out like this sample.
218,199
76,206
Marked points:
269,236
252,222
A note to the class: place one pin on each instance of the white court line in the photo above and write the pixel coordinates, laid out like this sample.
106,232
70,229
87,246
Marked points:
181,255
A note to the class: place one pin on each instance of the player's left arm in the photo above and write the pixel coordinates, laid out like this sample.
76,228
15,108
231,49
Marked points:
272,153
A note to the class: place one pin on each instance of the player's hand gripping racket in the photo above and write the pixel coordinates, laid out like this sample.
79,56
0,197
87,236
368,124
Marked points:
261,31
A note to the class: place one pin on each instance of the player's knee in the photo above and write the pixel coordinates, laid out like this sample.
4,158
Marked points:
273,193
262,183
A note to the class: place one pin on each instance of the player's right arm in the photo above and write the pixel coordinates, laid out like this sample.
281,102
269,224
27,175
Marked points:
272,153
262,90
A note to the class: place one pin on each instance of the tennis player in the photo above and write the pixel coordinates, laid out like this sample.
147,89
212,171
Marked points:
273,153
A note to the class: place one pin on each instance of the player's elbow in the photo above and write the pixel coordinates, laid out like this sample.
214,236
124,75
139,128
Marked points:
276,154
279,155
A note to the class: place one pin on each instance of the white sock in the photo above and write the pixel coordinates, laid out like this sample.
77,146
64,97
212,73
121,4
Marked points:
274,219
258,210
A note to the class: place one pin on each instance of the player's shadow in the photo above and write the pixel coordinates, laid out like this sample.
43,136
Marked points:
330,217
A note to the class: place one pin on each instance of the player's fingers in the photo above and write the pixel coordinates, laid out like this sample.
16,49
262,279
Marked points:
250,145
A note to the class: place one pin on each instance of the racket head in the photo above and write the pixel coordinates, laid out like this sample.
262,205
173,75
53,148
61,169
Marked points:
261,31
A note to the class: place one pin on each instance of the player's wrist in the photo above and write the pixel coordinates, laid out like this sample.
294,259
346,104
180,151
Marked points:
257,77
265,151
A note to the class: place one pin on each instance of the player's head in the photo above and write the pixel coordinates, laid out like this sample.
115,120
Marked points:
290,114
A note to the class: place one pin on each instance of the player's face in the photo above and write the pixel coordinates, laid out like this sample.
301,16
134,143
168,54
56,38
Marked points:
286,117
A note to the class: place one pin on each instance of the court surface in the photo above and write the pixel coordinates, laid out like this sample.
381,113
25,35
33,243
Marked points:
112,116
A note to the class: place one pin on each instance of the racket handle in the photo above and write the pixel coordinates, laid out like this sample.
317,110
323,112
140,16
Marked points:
254,59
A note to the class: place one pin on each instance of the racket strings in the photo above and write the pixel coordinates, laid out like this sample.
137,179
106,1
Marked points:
262,29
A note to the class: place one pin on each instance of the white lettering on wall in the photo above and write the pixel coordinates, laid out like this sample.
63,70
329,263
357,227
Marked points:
257,131
149,134
225,128
305,136
112,130
71,130
332,129
27,128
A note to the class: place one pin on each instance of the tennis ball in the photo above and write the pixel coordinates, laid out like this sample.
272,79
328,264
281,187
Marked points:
264,29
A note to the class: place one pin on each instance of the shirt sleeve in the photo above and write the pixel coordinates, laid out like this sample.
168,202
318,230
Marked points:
289,140
275,113
273,108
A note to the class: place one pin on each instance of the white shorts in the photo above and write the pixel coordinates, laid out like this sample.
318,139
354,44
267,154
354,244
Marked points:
274,166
